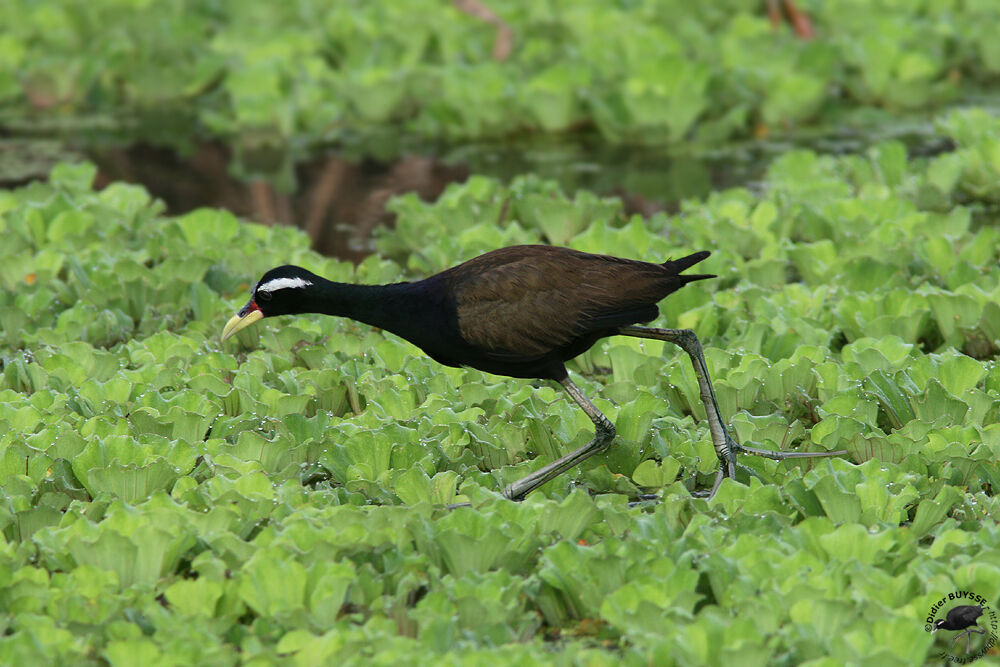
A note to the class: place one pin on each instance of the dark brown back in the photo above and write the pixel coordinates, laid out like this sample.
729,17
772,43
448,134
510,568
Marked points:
527,301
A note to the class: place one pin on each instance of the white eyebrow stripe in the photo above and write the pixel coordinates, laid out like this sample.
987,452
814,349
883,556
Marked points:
282,283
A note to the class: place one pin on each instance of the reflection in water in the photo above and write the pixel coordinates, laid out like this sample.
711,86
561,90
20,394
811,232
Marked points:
339,201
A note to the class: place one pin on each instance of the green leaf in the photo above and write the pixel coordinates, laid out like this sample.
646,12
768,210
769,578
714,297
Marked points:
132,482
654,475
272,584
930,512
198,597
571,517
327,588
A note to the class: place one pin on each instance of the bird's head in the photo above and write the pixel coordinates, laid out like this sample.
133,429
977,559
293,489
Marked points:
938,624
284,290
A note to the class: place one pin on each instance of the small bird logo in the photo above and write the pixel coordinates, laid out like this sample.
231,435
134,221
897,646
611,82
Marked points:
962,618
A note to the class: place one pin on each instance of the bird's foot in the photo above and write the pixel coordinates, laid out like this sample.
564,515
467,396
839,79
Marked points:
511,493
732,448
728,463
781,456
518,491
967,633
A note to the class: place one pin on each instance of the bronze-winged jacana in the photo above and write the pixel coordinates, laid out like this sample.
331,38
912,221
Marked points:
521,311
963,617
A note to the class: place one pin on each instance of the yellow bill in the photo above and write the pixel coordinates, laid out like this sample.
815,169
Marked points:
241,321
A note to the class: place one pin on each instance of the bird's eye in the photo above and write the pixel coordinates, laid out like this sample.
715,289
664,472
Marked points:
264,296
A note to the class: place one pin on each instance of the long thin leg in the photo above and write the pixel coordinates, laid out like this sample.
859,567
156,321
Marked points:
725,447
968,634
604,433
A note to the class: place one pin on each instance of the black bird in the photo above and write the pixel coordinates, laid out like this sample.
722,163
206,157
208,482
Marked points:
962,618
520,311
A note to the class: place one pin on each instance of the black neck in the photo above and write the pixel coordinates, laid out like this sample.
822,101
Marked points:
378,305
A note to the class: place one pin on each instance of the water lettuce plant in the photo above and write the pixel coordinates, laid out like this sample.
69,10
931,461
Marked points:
281,499
272,80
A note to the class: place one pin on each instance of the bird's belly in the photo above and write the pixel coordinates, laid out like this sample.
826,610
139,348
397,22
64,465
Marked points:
548,366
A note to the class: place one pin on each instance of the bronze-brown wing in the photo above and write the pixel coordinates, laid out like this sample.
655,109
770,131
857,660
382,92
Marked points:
530,303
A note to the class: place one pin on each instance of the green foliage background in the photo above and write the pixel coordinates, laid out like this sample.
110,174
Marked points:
167,500
274,79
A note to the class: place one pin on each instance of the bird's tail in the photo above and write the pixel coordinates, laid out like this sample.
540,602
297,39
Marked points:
676,266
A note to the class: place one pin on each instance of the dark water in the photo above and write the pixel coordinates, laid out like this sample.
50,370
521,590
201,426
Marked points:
338,196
